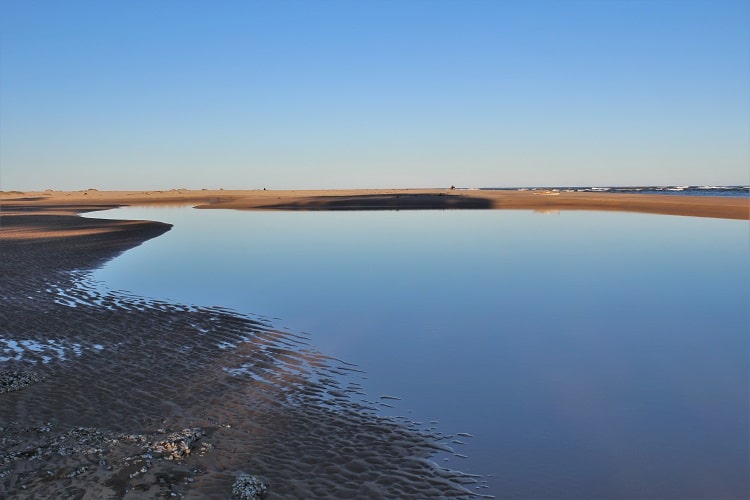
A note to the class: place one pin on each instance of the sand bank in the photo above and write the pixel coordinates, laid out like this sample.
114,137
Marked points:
110,395
392,199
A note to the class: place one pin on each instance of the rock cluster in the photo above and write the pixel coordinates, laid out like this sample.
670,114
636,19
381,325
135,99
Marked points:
40,443
39,460
13,381
249,487
178,445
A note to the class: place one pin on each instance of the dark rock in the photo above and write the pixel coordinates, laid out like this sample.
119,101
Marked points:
14,381
249,487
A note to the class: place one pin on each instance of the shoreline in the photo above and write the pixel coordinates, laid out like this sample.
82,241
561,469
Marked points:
387,199
110,394
106,378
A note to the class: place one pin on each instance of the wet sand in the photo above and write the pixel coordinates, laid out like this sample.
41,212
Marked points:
109,395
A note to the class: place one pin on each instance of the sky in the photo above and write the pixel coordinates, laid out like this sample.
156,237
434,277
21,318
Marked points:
313,94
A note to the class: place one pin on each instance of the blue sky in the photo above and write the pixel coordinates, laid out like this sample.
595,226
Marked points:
316,94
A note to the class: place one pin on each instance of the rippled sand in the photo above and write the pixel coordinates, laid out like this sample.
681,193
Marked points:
140,398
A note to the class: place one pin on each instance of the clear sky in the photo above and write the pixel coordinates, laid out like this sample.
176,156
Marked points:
392,93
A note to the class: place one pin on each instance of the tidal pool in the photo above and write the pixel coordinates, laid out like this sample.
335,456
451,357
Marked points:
573,354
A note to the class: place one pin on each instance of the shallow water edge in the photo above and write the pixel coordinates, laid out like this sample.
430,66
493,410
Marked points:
153,397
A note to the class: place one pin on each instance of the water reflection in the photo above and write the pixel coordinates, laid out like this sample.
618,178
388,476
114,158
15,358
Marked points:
590,354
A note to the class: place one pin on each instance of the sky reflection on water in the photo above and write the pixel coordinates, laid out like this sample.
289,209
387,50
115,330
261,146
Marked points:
589,354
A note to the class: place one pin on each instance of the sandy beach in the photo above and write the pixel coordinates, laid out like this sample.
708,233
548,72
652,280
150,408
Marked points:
390,199
109,395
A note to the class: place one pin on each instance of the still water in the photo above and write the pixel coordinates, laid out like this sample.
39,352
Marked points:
587,354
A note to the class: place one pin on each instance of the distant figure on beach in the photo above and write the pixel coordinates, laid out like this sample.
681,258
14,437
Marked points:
453,187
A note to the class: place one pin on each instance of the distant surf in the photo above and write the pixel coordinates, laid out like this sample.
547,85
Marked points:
732,191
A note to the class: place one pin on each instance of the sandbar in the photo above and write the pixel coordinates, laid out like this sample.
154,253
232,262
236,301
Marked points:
391,199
